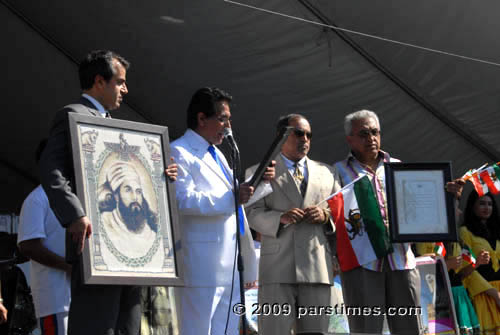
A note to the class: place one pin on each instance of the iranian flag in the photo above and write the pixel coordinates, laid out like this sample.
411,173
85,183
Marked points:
468,256
439,249
484,179
490,178
361,233
480,187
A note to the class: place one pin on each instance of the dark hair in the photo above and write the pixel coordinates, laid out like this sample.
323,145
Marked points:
284,121
205,101
98,62
490,230
39,149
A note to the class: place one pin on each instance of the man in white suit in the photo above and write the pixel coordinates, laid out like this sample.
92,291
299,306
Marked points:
206,205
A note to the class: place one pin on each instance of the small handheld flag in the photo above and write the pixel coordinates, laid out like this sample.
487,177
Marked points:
439,249
468,256
484,179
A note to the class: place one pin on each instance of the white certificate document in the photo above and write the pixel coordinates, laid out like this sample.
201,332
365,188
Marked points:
421,204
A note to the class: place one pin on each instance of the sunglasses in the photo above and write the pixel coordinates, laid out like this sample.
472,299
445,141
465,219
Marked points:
300,133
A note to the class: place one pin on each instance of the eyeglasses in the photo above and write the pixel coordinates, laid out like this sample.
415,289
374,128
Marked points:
365,133
222,119
300,133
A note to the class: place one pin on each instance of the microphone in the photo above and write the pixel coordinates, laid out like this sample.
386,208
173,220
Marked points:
228,134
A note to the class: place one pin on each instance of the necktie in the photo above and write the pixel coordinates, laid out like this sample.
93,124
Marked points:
211,150
300,180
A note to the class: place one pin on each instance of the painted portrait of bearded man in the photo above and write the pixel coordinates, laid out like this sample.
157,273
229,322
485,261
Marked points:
128,227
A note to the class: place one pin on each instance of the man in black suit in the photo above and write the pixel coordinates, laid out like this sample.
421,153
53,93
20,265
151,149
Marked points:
95,309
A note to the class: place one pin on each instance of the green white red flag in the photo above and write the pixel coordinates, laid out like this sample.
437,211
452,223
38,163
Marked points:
439,249
468,256
485,179
362,236
479,186
490,177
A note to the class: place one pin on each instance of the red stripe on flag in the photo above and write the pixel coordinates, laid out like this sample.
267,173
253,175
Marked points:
469,260
49,325
485,176
477,184
345,252
440,249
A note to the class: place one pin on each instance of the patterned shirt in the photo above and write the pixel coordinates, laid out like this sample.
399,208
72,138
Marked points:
349,169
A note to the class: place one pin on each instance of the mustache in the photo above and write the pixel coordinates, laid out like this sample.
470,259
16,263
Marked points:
136,204
133,209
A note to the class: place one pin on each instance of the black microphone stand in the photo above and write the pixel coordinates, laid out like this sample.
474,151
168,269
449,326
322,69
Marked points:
235,158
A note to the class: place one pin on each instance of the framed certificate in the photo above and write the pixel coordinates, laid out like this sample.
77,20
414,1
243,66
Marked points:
419,207
120,180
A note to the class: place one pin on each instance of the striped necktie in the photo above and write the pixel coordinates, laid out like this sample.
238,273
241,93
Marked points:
299,179
211,150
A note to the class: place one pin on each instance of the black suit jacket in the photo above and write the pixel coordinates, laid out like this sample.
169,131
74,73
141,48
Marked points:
56,165
95,309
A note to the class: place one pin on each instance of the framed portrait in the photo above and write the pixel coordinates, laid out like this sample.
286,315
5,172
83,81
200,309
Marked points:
120,180
436,299
418,206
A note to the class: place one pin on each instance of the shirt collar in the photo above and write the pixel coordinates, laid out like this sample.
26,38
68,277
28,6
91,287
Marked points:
96,103
386,158
198,140
291,164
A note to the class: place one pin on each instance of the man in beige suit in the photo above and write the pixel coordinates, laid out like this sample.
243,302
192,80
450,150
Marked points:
296,264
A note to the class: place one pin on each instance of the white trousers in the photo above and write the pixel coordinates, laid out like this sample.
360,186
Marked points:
205,310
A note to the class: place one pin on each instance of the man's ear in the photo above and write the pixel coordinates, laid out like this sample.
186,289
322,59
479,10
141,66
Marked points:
202,119
99,81
349,139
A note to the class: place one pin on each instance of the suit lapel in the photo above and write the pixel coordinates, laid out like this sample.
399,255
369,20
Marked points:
212,164
90,106
225,163
285,181
206,158
313,176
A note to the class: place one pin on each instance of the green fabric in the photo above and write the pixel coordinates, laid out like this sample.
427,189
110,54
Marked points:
496,168
466,315
372,219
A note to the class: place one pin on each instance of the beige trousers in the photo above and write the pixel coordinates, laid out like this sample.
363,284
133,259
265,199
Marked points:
294,308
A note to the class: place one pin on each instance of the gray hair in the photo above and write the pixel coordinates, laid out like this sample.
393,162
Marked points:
359,115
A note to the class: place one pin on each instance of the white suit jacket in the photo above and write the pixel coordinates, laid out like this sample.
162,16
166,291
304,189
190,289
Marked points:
207,216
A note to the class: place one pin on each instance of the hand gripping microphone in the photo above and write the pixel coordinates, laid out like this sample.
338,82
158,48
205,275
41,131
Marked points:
228,134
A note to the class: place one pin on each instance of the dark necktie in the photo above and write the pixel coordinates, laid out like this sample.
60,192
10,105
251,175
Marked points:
211,150
299,179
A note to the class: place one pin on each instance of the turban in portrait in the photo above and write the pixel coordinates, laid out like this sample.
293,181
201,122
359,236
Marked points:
120,171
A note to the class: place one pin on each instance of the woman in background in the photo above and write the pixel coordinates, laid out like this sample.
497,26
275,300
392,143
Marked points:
481,231
458,270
